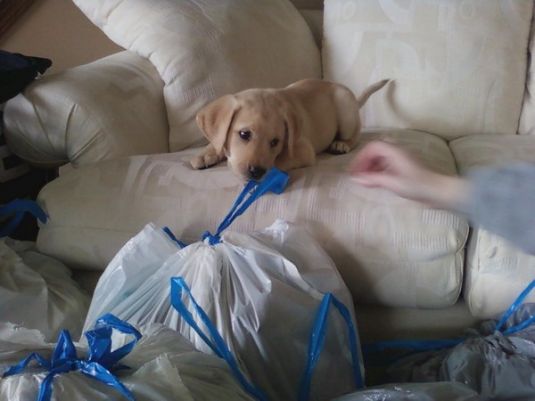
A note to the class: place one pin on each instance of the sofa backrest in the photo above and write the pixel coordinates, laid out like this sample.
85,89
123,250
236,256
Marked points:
452,74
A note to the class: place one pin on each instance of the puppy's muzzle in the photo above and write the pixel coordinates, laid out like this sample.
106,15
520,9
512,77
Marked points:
256,172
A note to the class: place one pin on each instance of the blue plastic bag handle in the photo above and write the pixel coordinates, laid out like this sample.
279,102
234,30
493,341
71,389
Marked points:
173,238
275,181
17,209
99,340
213,339
434,345
19,368
99,365
317,342
513,308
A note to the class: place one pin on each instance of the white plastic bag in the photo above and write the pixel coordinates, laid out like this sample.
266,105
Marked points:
37,291
163,366
265,293
441,391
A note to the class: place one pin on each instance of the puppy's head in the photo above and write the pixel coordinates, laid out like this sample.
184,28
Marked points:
252,128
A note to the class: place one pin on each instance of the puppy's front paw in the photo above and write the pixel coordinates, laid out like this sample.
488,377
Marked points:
204,161
339,148
197,163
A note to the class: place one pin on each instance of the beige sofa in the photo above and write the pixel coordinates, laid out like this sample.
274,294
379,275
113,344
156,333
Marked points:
413,271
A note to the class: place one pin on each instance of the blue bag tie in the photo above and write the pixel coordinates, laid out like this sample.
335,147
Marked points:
213,339
317,341
275,181
512,309
435,345
170,234
15,211
99,365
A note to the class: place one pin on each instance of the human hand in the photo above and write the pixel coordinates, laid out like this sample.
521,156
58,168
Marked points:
382,165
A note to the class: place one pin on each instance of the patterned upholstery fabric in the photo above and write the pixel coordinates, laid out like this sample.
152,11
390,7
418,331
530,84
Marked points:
390,251
453,74
496,272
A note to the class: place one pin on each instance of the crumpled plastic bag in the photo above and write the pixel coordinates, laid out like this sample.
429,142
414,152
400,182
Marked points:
261,291
37,291
496,362
163,366
442,391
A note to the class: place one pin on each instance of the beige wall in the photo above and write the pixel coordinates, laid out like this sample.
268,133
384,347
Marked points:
56,29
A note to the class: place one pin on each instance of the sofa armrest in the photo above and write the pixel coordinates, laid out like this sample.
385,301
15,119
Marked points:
110,108
495,270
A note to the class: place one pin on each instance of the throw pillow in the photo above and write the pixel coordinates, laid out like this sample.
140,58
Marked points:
205,49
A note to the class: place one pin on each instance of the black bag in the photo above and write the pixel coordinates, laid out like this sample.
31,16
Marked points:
17,71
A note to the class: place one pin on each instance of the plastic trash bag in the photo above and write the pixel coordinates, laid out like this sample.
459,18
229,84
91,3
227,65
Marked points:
162,366
275,298
497,361
37,291
442,391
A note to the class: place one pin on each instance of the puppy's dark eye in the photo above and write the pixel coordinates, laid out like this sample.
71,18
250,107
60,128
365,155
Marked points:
245,135
274,143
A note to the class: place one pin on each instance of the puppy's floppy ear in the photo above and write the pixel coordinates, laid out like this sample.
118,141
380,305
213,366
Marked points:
293,131
215,119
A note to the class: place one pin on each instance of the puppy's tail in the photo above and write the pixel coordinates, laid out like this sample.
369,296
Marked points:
370,90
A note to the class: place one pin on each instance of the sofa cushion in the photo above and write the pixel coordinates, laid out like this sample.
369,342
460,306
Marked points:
390,251
453,74
206,49
107,109
496,271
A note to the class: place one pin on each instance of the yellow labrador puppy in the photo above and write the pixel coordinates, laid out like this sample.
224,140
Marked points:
260,128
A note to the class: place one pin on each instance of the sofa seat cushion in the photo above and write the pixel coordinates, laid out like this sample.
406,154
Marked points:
452,74
496,271
206,49
389,250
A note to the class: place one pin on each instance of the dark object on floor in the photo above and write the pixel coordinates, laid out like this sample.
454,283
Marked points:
17,71
25,187
17,179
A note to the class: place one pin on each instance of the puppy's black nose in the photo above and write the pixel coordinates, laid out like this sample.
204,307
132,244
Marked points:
256,172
